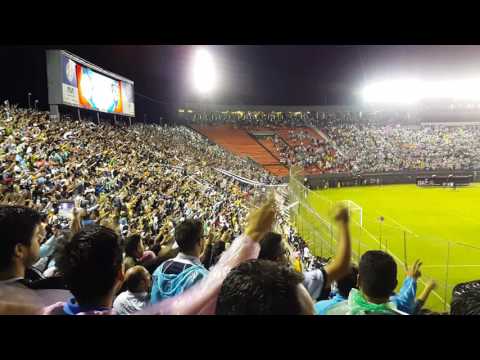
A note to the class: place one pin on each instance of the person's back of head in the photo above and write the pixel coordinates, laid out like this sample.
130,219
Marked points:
263,287
272,248
466,299
188,236
137,279
21,230
91,263
377,275
348,282
134,246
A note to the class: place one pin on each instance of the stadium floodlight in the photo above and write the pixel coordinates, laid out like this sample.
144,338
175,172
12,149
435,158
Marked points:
453,89
411,91
408,91
204,76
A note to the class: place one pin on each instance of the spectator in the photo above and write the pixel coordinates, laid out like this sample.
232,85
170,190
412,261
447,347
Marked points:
22,232
91,264
86,253
272,248
405,299
377,278
135,298
422,299
176,275
343,288
262,287
316,281
133,251
202,297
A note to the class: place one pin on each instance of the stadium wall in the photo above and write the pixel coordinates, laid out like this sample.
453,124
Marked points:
390,178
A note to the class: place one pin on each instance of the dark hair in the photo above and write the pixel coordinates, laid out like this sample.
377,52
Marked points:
260,287
348,282
131,244
466,299
43,217
17,224
378,274
135,277
271,246
217,251
90,262
188,234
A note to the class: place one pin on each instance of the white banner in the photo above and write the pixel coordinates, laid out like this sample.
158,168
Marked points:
70,95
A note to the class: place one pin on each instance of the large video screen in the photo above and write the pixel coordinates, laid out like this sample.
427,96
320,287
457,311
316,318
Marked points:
86,88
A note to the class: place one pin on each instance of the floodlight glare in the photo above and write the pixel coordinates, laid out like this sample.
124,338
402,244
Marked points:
412,91
397,91
204,77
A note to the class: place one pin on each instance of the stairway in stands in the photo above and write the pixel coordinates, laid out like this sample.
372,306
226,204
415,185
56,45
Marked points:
239,142
284,134
270,146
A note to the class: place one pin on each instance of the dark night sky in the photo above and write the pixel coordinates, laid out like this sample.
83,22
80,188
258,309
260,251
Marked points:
256,75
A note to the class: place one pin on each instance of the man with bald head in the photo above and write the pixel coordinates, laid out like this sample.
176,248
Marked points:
137,282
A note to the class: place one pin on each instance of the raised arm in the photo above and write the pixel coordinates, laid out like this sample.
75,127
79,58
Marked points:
201,298
340,265
422,299
77,218
405,299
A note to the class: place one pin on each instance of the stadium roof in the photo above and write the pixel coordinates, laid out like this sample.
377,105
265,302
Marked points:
269,108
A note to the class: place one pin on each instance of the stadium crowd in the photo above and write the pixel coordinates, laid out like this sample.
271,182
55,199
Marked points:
306,151
360,144
156,229
387,148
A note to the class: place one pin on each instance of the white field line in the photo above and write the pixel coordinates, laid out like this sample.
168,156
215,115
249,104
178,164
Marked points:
394,256
378,242
475,220
401,262
398,260
398,224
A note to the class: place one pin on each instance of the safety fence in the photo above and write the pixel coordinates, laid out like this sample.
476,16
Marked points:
312,216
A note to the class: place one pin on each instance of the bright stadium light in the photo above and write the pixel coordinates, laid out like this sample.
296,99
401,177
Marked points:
463,89
412,91
407,91
204,76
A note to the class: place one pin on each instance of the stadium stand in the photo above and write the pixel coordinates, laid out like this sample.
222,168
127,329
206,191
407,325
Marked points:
393,145
239,142
136,189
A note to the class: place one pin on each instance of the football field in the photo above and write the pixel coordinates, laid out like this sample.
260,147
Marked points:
439,226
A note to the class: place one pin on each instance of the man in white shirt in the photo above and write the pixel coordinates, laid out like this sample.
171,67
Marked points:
137,281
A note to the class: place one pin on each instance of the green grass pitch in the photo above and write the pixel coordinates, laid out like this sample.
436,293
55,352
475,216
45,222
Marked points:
422,221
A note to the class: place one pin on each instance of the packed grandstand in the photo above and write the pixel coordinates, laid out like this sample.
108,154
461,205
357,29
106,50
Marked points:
349,142
193,218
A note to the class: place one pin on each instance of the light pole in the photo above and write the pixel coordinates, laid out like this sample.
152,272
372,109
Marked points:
36,103
29,94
